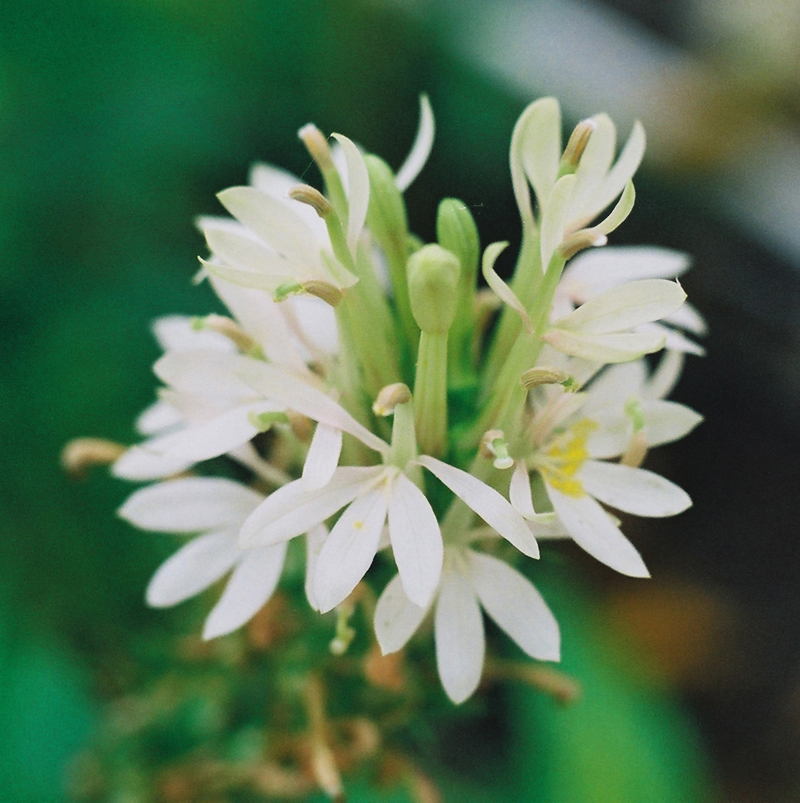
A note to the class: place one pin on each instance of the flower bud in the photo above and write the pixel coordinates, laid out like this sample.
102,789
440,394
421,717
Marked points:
386,216
456,231
433,275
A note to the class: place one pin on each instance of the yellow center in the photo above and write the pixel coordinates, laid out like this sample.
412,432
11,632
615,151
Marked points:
564,457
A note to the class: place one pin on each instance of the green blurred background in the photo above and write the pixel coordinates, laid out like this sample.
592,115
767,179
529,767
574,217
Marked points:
118,123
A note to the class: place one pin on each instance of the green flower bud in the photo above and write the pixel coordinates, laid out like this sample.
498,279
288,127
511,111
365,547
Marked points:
433,274
386,216
457,232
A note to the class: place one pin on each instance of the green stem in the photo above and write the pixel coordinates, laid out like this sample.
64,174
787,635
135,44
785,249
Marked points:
430,393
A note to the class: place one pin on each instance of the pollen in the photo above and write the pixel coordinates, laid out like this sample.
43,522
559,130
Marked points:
564,458
358,525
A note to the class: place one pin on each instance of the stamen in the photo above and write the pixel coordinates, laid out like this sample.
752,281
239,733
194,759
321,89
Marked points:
390,397
311,196
545,375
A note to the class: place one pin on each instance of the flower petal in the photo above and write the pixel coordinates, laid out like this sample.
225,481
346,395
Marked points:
396,617
613,347
622,171
139,464
293,509
513,602
633,490
486,502
315,538
300,395
156,418
192,568
357,190
189,505
459,635
416,541
499,287
420,150
323,456
623,307
554,217
592,529
350,548
592,169
250,585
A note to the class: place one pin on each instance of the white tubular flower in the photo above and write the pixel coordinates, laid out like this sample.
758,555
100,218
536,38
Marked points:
470,581
593,272
371,495
567,442
215,508
607,327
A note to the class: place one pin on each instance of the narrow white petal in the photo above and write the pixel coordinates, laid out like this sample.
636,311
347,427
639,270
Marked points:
499,287
554,217
315,538
667,421
615,385
592,169
190,505
624,307
240,250
633,490
593,530
203,372
293,509
687,317
459,637
536,145
619,214
486,502
357,190
273,221
396,617
246,277
613,347
601,269
622,171
421,149
675,340
139,464
192,568
519,491
668,371
323,456
513,602
250,585
350,548
218,435
157,418
177,333
303,397
416,540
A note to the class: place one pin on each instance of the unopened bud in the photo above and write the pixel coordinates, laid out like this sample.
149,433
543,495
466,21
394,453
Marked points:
457,232
544,375
312,197
390,397
433,275
577,145
317,146
386,215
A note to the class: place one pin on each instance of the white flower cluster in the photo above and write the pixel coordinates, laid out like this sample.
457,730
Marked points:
340,319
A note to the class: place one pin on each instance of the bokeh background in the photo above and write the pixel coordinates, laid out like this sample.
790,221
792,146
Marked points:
120,119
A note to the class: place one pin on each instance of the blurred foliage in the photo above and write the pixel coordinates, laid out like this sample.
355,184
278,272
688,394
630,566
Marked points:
118,123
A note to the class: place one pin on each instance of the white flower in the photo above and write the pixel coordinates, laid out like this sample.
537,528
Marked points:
372,495
470,581
567,438
216,508
593,272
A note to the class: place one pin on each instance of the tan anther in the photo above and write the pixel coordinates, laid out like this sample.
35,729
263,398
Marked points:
327,292
229,328
543,375
577,142
81,454
301,425
389,397
580,241
311,196
636,451
316,145
486,449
